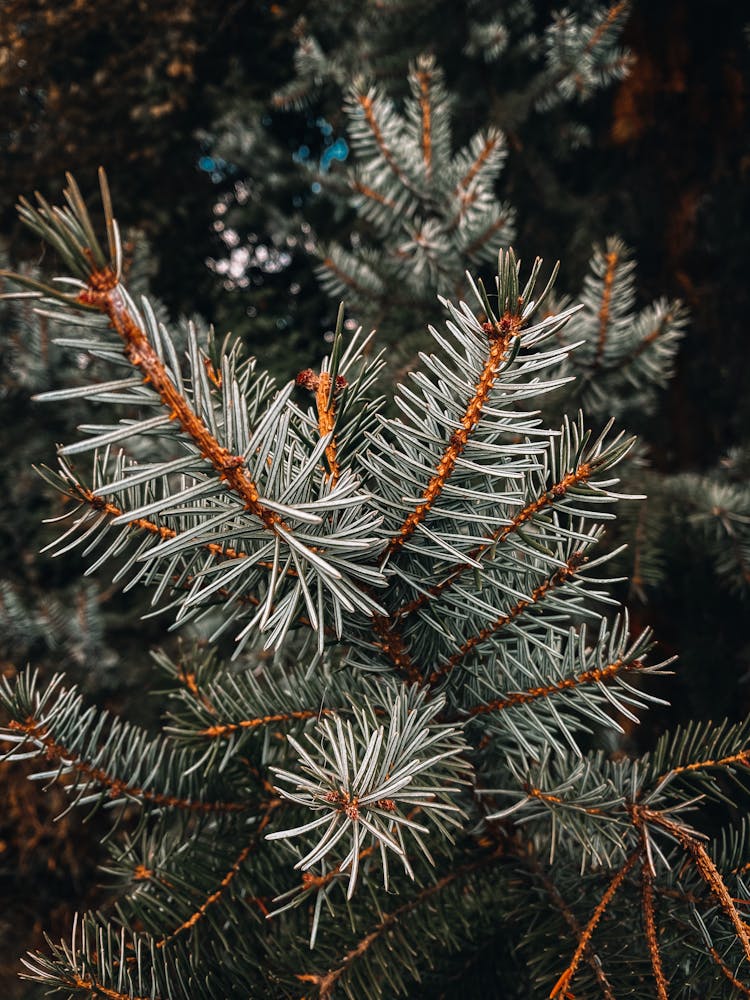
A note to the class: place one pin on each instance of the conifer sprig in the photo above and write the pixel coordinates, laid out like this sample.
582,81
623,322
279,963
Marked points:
428,652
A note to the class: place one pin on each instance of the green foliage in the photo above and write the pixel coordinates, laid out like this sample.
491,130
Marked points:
423,636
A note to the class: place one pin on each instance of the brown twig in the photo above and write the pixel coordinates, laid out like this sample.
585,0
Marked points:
227,880
562,984
500,336
105,295
559,577
595,676
326,983
36,731
546,499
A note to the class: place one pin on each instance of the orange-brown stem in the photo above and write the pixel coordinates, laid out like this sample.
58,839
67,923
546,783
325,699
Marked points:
569,917
266,720
222,551
344,278
369,111
55,751
609,277
743,757
561,986
727,973
326,423
392,643
705,868
538,594
500,335
612,14
652,934
424,79
326,983
310,881
104,294
595,676
99,990
368,192
555,492
555,800
237,864
484,154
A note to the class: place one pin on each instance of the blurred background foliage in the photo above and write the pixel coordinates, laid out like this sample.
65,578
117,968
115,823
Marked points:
222,157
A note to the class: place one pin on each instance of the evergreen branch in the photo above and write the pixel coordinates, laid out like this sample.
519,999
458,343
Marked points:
608,22
325,984
35,731
741,757
482,239
501,333
663,324
700,747
182,581
704,866
367,104
545,499
104,294
346,279
129,764
373,195
587,677
492,141
561,576
563,983
570,919
227,880
611,259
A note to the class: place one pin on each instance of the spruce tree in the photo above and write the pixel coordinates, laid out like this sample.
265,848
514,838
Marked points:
411,776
